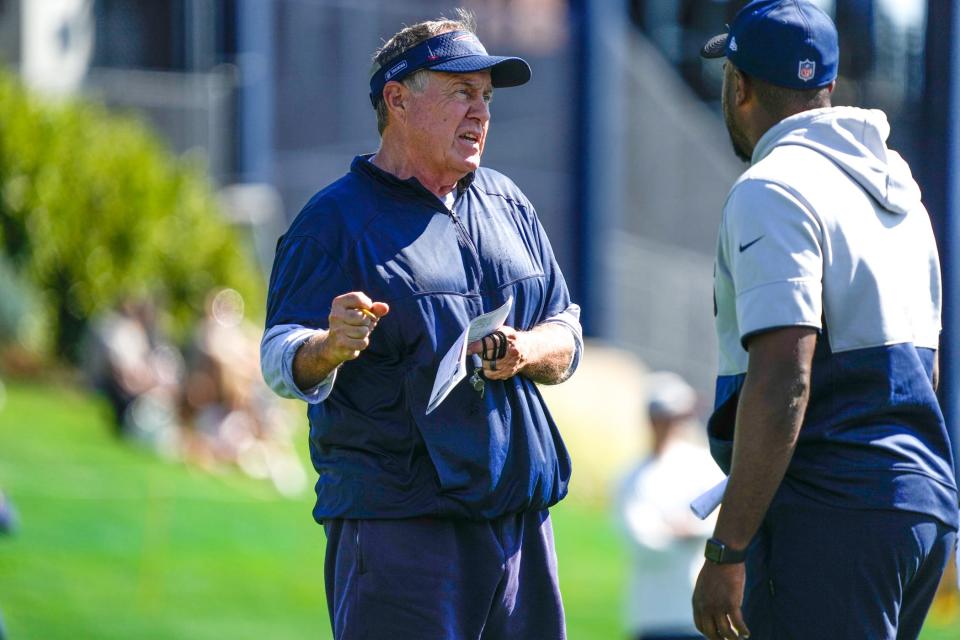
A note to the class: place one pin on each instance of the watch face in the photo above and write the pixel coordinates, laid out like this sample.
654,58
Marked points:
713,551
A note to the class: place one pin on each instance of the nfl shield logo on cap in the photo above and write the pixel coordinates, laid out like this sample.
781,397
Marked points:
768,37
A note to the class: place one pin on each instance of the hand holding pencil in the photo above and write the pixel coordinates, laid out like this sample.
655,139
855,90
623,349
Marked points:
353,317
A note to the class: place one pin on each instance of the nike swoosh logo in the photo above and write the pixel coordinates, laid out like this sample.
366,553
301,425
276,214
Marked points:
744,247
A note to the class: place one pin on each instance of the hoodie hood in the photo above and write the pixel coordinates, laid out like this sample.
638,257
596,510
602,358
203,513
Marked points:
856,141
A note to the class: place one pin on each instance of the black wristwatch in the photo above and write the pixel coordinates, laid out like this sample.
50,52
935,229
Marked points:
719,553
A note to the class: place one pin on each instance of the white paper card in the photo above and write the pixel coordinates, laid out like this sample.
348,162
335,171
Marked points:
705,504
453,366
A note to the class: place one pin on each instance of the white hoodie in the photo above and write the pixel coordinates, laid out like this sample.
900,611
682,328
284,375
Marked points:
827,224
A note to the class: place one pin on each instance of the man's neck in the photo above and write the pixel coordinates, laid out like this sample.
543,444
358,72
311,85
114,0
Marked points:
767,121
393,159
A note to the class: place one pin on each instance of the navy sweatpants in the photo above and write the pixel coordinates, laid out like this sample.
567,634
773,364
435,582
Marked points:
441,579
815,571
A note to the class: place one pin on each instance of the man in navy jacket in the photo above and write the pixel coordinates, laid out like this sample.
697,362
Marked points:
437,524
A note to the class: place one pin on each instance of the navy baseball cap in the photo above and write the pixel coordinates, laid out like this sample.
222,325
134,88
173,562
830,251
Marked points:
453,52
790,43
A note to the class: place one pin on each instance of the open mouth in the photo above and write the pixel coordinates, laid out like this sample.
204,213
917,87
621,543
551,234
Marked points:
472,138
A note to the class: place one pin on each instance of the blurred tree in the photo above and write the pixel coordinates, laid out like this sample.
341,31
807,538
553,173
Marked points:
16,305
93,208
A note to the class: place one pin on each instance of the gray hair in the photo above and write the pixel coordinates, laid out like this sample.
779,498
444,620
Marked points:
407,38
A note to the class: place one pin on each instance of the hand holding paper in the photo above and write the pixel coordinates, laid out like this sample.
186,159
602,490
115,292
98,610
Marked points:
503,365
453,367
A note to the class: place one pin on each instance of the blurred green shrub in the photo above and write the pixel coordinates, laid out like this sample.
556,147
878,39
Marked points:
93,208
17,305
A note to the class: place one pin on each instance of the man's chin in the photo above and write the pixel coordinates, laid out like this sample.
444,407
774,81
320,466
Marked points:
738,149
736,137
741,154
468,164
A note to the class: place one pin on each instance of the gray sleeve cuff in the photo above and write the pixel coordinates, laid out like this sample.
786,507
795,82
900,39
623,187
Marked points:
277,350
570,318
780,304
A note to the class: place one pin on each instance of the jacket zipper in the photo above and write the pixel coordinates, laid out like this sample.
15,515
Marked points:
465,236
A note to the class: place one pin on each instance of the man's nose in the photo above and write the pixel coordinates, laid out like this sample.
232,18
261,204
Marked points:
480,109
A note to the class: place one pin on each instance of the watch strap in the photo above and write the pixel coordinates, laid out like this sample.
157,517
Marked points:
718,552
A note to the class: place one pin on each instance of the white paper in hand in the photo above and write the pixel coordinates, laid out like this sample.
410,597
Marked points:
705,504
453,367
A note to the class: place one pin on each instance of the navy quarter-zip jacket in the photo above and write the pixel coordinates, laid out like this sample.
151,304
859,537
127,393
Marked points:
376,453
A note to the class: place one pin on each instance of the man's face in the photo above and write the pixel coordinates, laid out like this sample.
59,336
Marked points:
449,121
741,145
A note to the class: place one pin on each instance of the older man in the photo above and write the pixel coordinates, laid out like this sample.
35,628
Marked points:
841,499
436,523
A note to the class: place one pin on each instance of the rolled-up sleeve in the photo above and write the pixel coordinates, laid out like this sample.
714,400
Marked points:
277,350
558,307
570,318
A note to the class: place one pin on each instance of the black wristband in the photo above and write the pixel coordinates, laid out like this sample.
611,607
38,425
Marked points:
501,344
488,351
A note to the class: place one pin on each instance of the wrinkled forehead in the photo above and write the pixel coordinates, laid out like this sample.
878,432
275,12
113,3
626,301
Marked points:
481,80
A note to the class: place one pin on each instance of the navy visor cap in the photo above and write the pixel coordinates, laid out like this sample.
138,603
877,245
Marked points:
789,43
452,52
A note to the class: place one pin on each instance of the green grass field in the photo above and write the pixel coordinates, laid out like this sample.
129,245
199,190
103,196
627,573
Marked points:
115,543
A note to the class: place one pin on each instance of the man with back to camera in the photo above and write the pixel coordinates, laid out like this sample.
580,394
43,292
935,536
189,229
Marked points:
841,507
437,525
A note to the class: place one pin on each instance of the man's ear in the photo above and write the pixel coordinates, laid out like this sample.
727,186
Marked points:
395,98
743,88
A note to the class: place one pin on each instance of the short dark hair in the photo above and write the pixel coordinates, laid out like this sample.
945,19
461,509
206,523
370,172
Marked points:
782,101
407,38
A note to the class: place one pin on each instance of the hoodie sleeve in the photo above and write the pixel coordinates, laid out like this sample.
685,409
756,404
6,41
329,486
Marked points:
772,244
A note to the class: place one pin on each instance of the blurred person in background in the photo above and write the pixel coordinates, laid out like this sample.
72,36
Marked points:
841,507
222,363
437,525
137,370
231,414
211,408
666,538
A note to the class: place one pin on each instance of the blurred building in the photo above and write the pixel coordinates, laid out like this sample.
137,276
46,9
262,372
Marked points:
617,139
275,91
